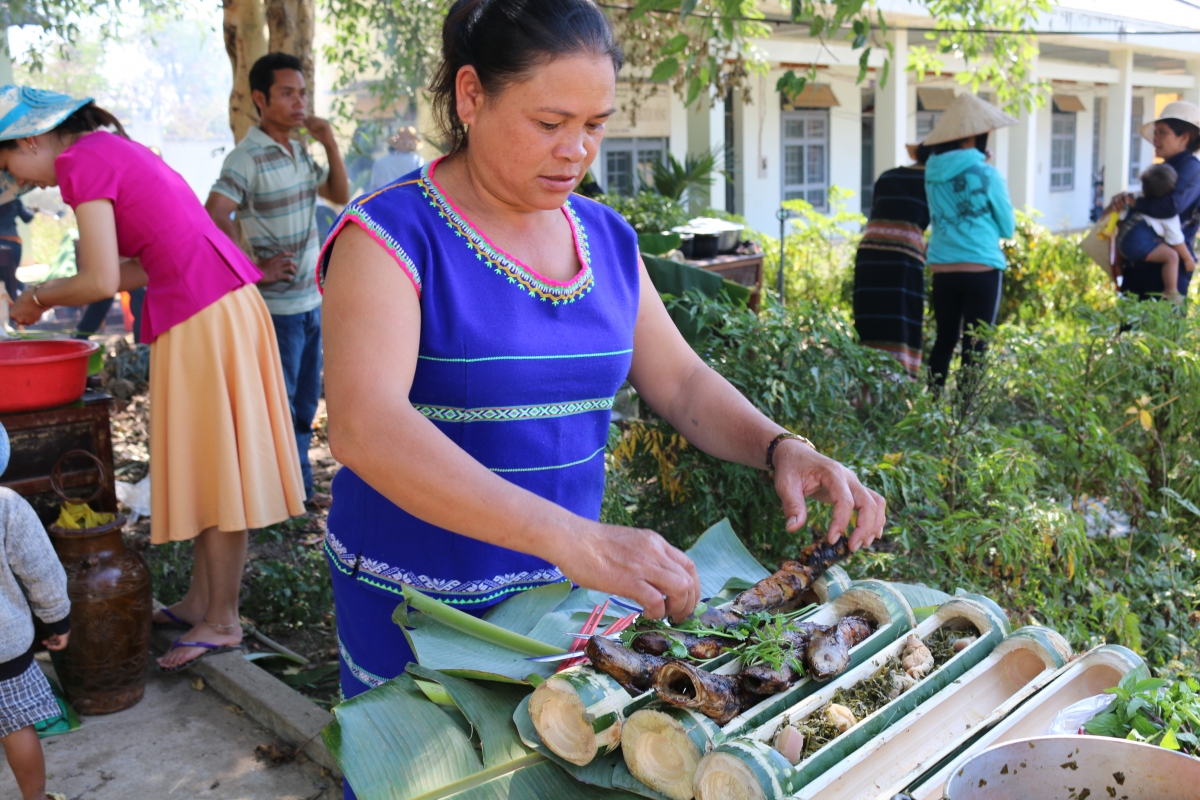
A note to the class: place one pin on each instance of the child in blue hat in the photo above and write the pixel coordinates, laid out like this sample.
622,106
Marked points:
32,581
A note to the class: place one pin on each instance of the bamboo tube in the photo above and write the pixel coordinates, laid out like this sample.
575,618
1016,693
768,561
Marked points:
1090,674
578,714
678,732
1020,665
748,767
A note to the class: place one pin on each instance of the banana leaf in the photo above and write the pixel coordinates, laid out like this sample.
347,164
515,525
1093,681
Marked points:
490,710
391,742
720,555
531,778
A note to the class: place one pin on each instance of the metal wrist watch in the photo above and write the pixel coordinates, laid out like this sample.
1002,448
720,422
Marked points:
781,437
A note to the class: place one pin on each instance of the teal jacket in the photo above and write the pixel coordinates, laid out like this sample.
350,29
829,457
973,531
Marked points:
969,209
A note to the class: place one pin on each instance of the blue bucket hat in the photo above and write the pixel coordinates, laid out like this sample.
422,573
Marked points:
25,111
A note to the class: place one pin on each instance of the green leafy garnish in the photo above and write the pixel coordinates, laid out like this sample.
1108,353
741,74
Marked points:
1154,710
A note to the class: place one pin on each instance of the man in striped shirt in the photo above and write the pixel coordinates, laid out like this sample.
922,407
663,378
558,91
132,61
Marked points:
270,183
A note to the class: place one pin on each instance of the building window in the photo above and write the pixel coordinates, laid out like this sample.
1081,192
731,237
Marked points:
627,164
1135,140
806,156
1062,152
925,122
868,150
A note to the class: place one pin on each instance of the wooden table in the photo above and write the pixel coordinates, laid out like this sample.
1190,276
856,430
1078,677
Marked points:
39,439
744,270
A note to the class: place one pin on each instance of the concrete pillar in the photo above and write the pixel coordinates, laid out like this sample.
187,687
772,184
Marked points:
1192,95
706,131
1023,155
891,108
1118,118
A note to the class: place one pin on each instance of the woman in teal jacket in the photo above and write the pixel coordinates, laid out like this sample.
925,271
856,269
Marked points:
970,212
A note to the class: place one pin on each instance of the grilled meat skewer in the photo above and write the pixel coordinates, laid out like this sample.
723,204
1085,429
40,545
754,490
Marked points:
776,592
718,697
657,643
635,671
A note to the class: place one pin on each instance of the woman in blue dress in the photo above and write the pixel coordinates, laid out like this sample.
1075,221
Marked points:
479,319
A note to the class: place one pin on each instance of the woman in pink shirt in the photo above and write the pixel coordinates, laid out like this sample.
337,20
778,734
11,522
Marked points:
222,452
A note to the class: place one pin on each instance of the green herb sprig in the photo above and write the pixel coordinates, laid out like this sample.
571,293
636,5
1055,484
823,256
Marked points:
1153,710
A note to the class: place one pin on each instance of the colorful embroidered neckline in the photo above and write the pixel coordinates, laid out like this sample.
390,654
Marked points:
505,265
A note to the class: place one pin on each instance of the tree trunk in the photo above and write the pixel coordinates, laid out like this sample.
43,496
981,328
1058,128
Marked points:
245,43
291,25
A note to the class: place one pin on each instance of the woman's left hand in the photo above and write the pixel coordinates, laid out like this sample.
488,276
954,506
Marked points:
24,311
801,472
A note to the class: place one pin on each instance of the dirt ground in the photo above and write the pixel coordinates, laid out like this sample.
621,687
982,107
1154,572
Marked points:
182,740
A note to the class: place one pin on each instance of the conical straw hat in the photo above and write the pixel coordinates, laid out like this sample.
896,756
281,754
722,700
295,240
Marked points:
967,116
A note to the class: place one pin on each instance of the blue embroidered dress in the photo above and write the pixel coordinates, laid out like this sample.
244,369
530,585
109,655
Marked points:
518,370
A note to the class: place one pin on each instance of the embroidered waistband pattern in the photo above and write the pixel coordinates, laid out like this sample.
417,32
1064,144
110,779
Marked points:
383,571
514,413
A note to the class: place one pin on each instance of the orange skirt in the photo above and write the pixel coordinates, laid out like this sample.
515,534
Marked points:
222,447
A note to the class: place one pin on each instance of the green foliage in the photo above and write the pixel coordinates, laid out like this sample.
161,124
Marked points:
986,484
701,48
987,34
819,257
688,183
290,588
1049,274
397,42
1161,712
647,212
65,23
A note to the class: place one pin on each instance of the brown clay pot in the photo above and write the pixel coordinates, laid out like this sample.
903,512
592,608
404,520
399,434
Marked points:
103,668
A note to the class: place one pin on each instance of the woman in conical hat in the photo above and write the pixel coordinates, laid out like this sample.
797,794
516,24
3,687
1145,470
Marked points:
970,212
222,450
1176,138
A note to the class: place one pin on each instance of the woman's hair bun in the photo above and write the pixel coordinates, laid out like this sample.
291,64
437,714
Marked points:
505,40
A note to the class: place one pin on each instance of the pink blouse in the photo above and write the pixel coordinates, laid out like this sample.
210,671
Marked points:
190,263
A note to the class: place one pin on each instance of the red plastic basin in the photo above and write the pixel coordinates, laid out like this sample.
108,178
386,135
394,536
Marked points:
43,373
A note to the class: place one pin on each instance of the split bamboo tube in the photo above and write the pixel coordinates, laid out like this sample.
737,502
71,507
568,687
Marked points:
662,745
1099,669
749,768
1020,665
579,713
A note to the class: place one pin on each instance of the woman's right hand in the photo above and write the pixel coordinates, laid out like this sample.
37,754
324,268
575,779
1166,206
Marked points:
1121,202
634,563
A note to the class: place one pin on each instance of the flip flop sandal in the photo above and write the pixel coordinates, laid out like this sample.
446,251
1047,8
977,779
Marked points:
209,650
176,622
56,796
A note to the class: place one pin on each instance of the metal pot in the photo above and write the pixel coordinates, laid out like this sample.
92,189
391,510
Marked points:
1071,767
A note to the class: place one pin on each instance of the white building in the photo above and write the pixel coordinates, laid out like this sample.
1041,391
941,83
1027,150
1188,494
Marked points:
1111,65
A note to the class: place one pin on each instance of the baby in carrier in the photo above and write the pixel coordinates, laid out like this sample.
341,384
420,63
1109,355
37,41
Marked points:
1154,240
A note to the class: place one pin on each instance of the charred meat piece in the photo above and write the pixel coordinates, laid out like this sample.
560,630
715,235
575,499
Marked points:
657,643
763,679
718,697
623,665
829,651
793,578
719,618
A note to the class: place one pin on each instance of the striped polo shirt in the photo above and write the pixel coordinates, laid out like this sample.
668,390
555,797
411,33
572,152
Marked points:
276,195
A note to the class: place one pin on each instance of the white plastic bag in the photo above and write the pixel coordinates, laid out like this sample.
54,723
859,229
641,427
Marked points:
135,497
1070,720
